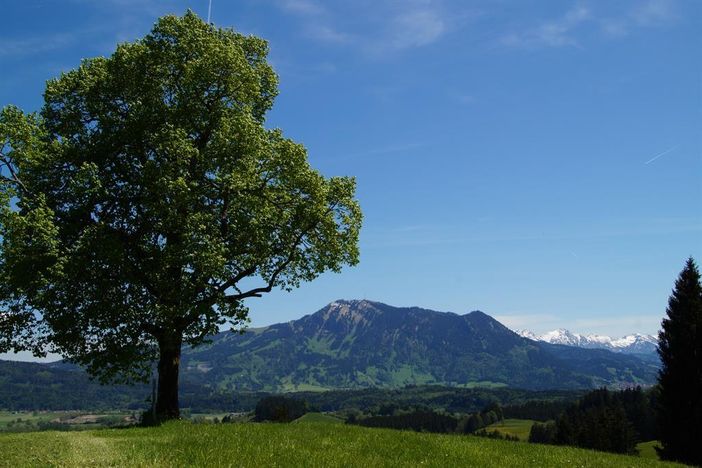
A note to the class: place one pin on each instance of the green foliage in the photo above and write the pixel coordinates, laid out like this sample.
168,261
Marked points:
146,193
495,434
538,410
600,420
280,409
313,445
31,386
316,418
680,380
489,415
419,421
543,433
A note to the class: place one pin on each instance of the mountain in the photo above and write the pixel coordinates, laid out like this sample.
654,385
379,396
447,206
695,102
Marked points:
630,344
345,345
360,343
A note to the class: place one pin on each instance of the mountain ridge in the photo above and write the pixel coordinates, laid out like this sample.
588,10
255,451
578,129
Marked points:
634,343
357,344
363,343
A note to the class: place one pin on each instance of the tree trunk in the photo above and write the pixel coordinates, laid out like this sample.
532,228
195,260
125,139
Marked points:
168,367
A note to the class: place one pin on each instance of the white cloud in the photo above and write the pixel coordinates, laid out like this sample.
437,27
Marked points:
303,7
613,27
565,31
395,25
554,33
654,12
326,33
416,28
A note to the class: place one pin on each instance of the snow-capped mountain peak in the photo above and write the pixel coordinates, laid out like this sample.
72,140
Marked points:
635,343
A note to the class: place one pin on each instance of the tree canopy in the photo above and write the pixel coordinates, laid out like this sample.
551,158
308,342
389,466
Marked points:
147,200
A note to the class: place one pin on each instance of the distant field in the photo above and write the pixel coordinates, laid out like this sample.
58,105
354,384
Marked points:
513,427
15,421
310,444
9,419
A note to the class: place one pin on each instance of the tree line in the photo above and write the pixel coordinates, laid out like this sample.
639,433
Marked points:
603,420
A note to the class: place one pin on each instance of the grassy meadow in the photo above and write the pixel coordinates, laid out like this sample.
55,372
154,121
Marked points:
647,449
307,443
514,427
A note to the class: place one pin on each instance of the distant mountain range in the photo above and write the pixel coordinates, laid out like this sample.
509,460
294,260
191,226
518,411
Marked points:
360,343
630,344
353,345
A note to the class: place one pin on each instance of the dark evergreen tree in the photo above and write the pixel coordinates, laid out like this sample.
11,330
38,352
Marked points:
679,412
543,433
280,409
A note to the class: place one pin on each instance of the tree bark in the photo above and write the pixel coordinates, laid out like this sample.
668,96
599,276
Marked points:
168,368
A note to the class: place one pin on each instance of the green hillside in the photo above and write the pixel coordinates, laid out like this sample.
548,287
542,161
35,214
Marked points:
361,344
311,444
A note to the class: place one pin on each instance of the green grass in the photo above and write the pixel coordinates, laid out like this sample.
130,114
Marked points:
318,418
513,427
647,450
312,444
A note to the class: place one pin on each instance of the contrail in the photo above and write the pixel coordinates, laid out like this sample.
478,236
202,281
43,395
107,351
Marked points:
661,154
209,12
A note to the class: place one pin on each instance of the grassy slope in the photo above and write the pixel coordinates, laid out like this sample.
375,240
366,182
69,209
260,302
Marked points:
647,449
310,444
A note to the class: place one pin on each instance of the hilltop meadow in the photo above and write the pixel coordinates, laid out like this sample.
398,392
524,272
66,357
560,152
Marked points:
316,441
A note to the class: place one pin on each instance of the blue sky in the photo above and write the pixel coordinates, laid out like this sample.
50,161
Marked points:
537,160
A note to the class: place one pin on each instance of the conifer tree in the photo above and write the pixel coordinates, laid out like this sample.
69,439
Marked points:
679,412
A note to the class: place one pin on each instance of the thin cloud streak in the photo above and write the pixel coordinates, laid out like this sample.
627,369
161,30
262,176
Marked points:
669,150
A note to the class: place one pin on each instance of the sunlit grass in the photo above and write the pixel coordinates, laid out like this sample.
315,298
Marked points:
310,444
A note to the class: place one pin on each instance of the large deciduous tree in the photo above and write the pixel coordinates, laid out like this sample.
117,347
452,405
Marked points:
147,200
680,379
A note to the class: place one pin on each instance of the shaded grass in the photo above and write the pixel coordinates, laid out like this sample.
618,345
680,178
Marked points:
647,450
311,444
